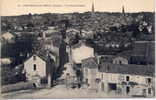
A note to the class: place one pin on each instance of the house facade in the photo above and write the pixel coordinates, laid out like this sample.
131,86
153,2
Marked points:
119,79
81,51
126,84
39,70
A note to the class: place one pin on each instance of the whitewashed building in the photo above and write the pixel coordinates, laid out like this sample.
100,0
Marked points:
126,79
81,51
39,69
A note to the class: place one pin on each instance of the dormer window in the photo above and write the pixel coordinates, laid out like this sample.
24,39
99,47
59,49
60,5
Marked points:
34,57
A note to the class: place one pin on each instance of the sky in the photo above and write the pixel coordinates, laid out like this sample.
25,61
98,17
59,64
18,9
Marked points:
19,7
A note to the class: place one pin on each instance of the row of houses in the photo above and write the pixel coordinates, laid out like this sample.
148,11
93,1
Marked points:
112,74
121,79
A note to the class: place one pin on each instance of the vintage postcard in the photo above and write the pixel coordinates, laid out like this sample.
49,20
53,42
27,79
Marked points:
77,49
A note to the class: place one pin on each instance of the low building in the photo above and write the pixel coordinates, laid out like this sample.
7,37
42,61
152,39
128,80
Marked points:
120,60
8,37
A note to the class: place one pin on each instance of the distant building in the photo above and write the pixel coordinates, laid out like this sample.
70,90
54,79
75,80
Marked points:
87,34
8,37
5,61
120,60
50,31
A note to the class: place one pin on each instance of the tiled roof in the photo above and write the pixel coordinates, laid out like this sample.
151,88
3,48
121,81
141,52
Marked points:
125,54
106,58
45,55
90,62
145,70
142,48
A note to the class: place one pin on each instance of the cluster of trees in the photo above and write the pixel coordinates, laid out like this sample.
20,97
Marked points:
18,52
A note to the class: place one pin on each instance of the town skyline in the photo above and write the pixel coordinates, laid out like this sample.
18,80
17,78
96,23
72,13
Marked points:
19,7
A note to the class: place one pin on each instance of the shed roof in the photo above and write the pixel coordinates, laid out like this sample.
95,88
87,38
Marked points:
90,62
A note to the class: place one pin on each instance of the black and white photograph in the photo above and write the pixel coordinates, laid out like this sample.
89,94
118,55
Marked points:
70,49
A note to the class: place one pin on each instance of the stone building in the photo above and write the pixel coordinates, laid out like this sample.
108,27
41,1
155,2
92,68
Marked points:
90,71
119,79
127,79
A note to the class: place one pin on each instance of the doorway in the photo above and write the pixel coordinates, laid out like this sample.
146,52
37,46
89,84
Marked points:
127,89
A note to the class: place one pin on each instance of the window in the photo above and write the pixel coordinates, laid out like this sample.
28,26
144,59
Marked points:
34,57
112,86
102,86
86,70
68,74
144,92
86,81
149,90
127,78
102,76
107,67
120,62
34,67
148,80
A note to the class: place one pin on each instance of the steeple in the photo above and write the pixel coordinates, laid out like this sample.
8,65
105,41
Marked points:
93,9
123,10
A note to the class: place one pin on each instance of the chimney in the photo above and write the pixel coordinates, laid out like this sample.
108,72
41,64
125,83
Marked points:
49,80
43,35
28,55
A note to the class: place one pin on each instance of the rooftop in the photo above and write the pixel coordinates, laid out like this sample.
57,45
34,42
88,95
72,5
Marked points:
145,70
90,62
